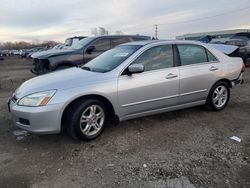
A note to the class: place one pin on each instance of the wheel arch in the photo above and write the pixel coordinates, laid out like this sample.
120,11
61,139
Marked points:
210,93
225,80
77,100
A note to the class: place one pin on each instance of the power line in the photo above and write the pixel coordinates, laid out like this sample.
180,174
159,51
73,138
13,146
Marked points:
198,19
183,22
208,17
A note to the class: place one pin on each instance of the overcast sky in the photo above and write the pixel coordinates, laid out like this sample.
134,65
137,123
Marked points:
55,20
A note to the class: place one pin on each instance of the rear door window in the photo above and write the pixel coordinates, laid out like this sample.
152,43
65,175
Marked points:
192,54
211,57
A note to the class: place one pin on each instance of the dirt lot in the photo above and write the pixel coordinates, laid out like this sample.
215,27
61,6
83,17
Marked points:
187,148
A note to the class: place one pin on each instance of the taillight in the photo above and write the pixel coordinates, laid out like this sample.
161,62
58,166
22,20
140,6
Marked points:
243,67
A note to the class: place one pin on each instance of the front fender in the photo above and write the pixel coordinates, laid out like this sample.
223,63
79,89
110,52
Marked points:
69,59
69,95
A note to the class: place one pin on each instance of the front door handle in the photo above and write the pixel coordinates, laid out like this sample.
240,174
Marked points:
213,68
170,76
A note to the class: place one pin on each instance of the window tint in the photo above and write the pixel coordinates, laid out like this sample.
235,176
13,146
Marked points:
159,57
211,57
102,45
192,54
117,41
139,38
82,43
68,42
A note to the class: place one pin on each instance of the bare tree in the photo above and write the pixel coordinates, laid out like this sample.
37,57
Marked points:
99,31
24,45
103,31
118,32
94,31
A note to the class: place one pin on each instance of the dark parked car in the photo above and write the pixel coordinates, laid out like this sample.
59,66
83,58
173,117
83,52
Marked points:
4,53
79,54
241,35
28,52
244,49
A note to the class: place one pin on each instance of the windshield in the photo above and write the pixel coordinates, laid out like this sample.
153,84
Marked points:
68,42
82,43
110,59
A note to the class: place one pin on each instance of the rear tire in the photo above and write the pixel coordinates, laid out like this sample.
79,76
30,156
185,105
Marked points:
218,96
87,119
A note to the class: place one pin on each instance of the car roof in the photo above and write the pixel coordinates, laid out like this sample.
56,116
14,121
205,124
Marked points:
148,42
242,33
236,39
110,36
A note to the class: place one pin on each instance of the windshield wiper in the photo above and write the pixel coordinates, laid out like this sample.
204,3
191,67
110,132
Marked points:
87,68
91,69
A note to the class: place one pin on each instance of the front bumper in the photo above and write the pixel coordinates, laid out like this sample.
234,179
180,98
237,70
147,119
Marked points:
39,120
40,66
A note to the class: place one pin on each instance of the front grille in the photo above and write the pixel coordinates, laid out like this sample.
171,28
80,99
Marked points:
35,61
41,66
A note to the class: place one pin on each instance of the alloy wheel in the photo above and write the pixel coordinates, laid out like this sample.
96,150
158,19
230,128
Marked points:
92,120
220,96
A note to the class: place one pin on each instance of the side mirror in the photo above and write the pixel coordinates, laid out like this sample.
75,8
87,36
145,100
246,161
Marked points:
135,68
90,49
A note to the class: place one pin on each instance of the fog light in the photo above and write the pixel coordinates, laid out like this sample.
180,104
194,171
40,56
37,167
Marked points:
24,121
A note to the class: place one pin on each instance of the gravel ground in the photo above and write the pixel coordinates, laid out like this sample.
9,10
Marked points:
183,149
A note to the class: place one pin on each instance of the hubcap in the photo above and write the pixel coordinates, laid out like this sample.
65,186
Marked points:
220,96
92,120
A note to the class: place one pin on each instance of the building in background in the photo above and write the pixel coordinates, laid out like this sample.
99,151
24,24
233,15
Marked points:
215,34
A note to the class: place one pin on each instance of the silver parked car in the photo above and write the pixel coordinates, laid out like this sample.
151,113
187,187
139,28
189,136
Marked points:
129,81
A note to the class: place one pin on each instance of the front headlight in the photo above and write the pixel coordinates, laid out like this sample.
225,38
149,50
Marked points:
37,99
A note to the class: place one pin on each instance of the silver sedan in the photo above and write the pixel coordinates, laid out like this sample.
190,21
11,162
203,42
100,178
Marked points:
132,80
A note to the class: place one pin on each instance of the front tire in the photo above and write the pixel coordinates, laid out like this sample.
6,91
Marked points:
219,96
87,119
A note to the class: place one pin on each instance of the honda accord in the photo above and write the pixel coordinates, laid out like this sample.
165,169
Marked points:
129,81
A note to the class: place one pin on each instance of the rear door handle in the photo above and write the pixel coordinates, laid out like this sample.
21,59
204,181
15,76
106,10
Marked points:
170,76
213,68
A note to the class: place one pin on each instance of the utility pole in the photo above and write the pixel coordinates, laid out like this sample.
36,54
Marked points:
156,31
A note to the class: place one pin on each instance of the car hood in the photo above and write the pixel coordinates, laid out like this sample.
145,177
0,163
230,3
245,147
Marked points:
59,80
51,52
